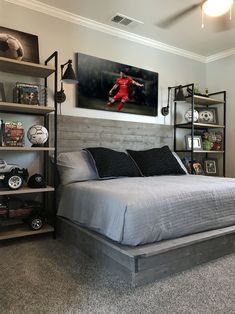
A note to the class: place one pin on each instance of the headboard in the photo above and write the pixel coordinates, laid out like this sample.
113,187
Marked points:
75,133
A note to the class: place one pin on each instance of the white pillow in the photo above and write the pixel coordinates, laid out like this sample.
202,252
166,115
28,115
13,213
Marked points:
180,162
75,166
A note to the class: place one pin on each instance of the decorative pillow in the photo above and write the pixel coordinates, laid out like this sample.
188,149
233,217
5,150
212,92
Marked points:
156,162
111,164
75,166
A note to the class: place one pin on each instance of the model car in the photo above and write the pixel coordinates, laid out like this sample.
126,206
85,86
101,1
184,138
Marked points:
12,176
30,212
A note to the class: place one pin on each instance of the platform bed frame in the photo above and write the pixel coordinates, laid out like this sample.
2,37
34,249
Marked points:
150,262
147,263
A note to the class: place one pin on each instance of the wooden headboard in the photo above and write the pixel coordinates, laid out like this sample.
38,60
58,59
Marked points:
75,133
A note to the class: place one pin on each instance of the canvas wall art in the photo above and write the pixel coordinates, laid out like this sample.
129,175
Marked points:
18,45
112,86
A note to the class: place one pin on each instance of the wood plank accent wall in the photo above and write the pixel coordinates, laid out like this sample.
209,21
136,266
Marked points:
75,133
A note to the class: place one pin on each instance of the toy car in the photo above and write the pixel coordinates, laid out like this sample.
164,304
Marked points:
12,176
30,212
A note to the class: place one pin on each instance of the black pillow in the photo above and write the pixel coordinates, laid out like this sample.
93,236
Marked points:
156,162
110,163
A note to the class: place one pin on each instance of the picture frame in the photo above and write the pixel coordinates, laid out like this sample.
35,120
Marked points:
2,93
115,87
23,47
197,142
29,94
210,166
207,115
198,169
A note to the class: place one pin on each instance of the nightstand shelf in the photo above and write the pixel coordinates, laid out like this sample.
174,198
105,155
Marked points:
199,126
21,108
26,149
19,231
200,151
26,190
204,101
25,68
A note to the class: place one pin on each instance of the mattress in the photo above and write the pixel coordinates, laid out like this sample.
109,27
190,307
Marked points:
134,211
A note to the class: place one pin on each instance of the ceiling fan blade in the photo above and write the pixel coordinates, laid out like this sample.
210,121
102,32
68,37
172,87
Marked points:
175,17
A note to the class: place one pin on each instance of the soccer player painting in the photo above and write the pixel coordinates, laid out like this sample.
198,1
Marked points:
123,82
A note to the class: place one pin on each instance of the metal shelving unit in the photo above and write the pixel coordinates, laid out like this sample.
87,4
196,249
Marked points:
206,102
39,71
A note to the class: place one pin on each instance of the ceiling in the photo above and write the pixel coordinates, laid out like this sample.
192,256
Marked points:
185,34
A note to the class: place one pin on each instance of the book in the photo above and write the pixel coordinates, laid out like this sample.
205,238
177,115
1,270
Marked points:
13,134
26,94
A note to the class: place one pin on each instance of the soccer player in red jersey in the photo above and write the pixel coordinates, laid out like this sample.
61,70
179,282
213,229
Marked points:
123,82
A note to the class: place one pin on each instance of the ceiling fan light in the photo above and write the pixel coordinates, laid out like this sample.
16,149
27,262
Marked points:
216,7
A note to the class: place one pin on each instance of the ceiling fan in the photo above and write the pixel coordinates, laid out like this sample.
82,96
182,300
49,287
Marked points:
211,8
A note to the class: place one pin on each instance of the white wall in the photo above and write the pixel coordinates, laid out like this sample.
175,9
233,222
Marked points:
220,76
68,38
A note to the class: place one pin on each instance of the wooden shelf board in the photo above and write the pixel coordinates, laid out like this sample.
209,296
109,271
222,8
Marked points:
23,231
25,68
26,190
21,108
200,151
200,125
26,149
206,101
210,151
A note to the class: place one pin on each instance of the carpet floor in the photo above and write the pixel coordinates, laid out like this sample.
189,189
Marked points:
45,276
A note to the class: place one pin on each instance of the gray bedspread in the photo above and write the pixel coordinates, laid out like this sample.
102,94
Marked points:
135,211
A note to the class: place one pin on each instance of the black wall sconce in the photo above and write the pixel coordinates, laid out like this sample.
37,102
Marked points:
179,96
68,77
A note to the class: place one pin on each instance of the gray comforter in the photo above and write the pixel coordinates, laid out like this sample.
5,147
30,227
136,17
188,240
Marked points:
135,211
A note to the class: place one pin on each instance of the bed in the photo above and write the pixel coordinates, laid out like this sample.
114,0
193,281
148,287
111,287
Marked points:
136,211
144,228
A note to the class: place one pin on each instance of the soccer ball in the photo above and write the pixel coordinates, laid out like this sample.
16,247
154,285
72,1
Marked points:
37,135
10,47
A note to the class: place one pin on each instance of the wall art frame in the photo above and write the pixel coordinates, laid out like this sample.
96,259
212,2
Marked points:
112,86
18,45
207,115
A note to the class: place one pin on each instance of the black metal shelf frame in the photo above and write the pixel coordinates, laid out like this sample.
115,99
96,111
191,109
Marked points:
45,116
193,126
52,57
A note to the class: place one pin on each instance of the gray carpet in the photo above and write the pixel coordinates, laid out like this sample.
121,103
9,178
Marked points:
47,276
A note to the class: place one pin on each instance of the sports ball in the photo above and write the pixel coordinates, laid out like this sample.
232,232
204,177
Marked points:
37,135
10,47
188,115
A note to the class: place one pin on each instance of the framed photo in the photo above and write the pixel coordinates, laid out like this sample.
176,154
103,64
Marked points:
210,167
197,142
2,93
29,94
198,169
18,45
112,86
207,115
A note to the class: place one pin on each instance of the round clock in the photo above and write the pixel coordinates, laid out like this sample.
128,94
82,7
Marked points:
188,115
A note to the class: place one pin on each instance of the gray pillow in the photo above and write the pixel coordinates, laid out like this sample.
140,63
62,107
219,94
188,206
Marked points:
75,166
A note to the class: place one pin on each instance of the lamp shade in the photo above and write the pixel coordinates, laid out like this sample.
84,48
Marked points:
179,96
69,76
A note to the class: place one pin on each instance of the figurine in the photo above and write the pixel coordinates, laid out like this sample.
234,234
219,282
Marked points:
206,143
